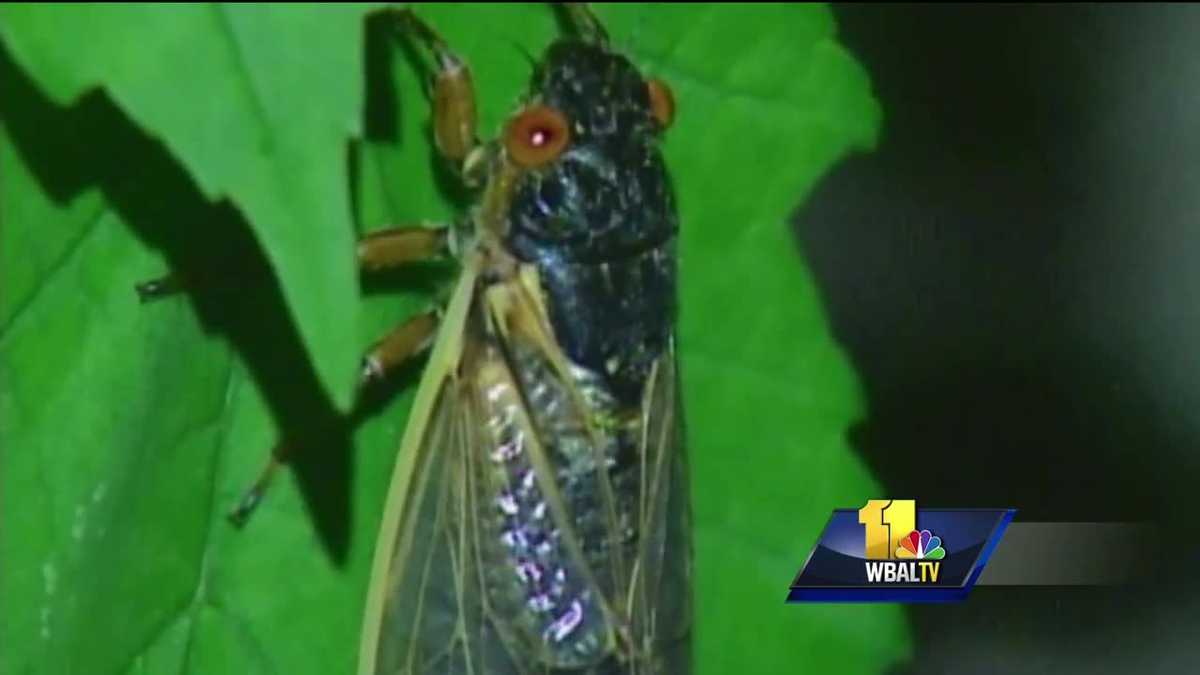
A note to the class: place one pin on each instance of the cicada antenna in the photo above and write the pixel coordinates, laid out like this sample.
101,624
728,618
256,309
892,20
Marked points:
585,23
526,54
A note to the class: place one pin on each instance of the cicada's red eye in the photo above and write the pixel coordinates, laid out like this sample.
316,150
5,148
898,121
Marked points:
537,136
662,102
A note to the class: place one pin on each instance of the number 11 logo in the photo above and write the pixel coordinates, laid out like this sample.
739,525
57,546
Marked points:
887,522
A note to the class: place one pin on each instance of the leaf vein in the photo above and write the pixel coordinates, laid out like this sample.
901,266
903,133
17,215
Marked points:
243,70
200,594
172,617
52,272
187,607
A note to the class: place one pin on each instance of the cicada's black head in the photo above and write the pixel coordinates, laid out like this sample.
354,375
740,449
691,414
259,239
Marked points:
594,187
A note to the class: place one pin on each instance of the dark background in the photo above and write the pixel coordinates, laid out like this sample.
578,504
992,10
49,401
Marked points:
1015,273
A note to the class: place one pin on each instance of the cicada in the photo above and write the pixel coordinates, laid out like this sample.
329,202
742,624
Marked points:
538,518
539,515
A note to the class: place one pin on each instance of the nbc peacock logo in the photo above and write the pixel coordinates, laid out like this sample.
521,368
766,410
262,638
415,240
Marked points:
896,551
923,545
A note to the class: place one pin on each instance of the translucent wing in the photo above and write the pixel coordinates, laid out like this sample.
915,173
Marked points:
449,594
429,613
533,526
660,599
423,612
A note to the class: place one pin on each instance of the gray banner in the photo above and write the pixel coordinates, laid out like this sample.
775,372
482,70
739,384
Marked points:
1074,554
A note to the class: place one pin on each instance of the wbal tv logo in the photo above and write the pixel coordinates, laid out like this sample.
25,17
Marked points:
897,552
891,551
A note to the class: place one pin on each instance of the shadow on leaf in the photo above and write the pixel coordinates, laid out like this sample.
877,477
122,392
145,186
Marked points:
211,249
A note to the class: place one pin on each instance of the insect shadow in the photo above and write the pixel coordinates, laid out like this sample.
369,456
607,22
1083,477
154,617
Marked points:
229,281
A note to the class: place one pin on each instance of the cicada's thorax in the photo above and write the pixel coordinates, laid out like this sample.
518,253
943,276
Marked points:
599,223
598,226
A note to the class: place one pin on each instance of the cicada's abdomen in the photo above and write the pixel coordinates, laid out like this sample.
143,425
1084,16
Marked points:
551,605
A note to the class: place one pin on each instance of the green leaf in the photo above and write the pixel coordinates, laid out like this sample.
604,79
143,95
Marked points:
230,90
127,431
